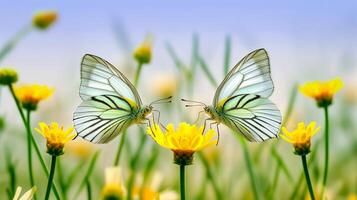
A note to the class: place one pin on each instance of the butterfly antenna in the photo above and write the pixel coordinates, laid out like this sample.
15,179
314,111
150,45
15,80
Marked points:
196,103
163,100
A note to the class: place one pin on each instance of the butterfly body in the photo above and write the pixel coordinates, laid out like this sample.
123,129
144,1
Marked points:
142,114
213,113
241,100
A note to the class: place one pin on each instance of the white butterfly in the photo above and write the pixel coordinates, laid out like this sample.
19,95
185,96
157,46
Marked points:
110,102
241,100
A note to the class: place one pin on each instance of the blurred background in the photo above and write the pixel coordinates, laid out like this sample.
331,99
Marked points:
306,40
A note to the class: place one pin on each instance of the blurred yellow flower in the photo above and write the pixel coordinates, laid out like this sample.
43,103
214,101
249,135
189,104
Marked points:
56,137
8,76
300,137
145,193
165,85
44,19
322,92
113,188
184,141
352,197
27,196
31,95
350,93
80,148
154,188
142,53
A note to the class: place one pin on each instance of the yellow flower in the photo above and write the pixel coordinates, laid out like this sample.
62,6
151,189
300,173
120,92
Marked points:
165,85
322,92
142,53
300,137
27,196
113,188
80,148
352,197
184,141
56,137
31,95
146,193
8,76
43,20
153,188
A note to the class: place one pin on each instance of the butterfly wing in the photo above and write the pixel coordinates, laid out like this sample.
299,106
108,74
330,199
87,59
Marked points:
99,77
101,118
109,100
255,117
250,76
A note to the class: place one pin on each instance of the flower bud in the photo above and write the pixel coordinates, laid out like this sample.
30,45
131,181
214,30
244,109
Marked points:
8,76
43,20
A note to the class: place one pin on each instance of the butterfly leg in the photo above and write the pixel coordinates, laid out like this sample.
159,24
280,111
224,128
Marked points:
218,133
205,124
198,116
149,123
158,116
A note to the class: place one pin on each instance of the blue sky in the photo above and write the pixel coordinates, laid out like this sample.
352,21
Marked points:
303,38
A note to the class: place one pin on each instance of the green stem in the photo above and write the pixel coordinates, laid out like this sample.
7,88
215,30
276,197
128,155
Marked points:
210,176
50,178
89,190
13,41
248,162
324,181
37,150
134,164
137,74
10,166
182,182
29,147
120,149
301,177
275,182
207,71
227,54
88,174
307,176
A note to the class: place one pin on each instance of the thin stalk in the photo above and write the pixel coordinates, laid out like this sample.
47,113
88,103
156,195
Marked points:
60,176
29,148
227,54
206,70
182,182
89,190
282,165
88,174
248,163
307,176
210,176
301,177
74,174
14,40
120,149
50,178
134,164
122,141
275,182
37,150
10,167
137,74
324,181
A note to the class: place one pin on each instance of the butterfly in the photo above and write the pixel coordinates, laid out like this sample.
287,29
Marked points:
241,100
110,102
